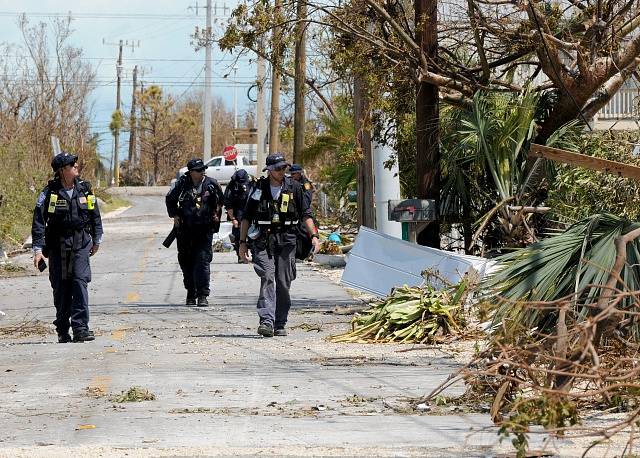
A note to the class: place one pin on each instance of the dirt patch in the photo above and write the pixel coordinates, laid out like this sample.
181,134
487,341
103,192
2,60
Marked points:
26,328
10,270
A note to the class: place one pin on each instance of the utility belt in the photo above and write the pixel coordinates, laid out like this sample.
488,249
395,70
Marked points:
68,232
65,239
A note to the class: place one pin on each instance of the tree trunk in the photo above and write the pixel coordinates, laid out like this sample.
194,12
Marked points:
427,121
274,120
366,211
301,71
564,110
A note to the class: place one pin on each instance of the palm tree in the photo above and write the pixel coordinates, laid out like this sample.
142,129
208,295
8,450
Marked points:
485,164
335,149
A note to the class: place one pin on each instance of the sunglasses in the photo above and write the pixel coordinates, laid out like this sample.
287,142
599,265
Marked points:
280,168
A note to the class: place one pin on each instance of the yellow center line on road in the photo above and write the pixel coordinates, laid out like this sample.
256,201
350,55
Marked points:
118,334
138,276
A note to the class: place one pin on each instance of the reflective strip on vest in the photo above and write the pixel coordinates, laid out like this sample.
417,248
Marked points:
286,223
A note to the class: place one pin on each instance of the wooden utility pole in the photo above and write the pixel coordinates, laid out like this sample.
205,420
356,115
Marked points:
116,132
206,109
261,120
361,110
301,73
276,49
428,119
132,119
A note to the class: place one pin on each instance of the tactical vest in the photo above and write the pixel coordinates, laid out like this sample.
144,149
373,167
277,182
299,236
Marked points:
197,208
239,192
280,213
65,214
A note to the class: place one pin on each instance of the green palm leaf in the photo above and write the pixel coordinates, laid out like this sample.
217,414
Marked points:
576,262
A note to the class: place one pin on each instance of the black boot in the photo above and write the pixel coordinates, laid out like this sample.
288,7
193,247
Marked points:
83,335
64,337
265,330
203,301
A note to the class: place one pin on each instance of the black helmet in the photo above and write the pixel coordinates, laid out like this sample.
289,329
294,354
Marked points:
63,159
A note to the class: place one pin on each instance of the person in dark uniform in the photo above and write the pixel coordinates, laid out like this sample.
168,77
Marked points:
195,204
235,198
274,208
67,229
297,173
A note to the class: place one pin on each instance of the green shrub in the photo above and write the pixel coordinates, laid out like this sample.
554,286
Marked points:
577,193
20,184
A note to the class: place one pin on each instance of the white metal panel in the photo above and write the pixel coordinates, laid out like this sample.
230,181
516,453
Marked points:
378,262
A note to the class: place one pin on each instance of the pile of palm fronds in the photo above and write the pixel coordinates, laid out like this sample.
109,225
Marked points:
573,266
410,314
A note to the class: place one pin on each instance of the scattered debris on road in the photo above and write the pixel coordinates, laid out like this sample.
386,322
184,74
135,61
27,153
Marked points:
134,394
26,328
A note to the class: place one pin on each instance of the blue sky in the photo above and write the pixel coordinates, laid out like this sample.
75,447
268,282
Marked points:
165,55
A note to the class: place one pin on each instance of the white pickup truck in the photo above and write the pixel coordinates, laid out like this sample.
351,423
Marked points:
222,169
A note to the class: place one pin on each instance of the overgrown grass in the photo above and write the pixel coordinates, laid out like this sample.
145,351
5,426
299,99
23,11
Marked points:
20,184
111,202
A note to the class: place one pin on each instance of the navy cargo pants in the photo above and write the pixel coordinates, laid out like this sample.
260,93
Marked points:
194,256
69,274
275,263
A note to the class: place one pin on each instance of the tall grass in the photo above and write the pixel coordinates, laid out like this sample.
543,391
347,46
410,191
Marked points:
20,184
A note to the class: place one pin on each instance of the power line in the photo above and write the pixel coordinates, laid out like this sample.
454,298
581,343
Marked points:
103,15
146,59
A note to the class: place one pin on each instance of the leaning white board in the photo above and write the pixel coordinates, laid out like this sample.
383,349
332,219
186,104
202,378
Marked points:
378,262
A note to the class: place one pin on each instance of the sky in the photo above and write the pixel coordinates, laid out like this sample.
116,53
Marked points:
165,55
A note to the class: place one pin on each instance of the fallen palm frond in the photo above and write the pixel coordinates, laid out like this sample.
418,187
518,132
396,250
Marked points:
574,265
409,315
549,361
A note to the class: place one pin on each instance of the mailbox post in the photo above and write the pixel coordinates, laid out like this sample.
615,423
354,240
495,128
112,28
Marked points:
417,213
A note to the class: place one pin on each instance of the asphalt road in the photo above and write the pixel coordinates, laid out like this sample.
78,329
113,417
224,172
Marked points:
219,388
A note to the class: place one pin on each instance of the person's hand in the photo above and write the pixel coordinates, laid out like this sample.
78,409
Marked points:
316,244
243,251
36,258
94,249
235,222
176,221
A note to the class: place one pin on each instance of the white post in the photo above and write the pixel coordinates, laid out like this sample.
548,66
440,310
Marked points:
206,109
387,187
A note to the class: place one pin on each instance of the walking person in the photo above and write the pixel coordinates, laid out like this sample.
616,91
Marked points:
67,229
274,208
195,204
304,247
235,198
297,173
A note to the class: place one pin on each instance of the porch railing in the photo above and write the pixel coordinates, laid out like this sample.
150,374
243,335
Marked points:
624,104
